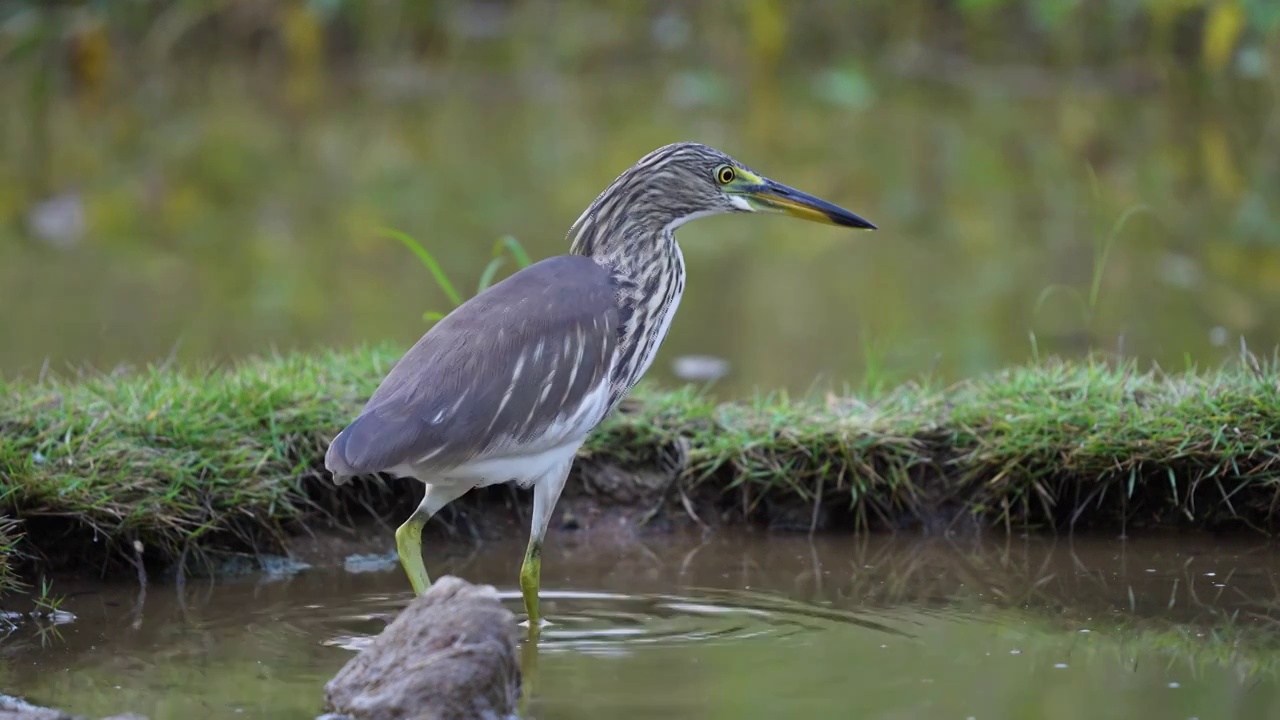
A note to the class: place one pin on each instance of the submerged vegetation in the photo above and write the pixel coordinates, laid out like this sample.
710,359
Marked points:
191,461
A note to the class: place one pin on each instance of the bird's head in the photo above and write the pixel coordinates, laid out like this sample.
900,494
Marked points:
684,181
713,182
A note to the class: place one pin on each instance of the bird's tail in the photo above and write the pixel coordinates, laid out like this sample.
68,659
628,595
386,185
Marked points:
335,460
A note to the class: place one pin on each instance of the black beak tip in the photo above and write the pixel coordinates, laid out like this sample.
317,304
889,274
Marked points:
854,221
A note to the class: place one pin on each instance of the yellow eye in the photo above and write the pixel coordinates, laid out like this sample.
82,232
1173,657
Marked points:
725,174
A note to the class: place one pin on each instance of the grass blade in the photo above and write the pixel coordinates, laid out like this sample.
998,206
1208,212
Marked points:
517,251
486,277
441,279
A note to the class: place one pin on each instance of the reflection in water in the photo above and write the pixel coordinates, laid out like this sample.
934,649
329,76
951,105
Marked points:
742,625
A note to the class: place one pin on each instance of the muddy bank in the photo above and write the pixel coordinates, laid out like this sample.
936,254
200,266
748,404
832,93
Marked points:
190,465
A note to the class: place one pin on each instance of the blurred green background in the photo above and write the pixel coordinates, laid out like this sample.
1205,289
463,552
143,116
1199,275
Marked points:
204,179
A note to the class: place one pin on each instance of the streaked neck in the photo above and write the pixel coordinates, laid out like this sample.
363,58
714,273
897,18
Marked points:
650,285
641,253
622,244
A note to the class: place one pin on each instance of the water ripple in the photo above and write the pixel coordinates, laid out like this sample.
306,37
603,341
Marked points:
607,623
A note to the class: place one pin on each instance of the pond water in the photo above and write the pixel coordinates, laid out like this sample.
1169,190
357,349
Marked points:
738,625
218,208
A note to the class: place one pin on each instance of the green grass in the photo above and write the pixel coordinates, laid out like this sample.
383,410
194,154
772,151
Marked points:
178,460
9,536
505,244
195,460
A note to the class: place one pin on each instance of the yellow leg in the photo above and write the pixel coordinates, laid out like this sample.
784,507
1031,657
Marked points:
530,579
546,491
409,547
409,535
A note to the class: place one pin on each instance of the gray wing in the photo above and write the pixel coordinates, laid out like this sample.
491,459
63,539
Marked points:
502,367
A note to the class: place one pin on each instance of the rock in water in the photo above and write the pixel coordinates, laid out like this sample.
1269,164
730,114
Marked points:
451,654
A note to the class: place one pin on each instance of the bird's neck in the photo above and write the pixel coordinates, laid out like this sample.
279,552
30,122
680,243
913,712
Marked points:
648,268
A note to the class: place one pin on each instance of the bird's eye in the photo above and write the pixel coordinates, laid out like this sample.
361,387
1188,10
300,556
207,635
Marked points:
724,174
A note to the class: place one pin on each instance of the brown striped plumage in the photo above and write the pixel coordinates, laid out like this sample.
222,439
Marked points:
508,385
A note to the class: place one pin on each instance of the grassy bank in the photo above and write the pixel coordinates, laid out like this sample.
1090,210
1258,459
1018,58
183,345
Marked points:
191,461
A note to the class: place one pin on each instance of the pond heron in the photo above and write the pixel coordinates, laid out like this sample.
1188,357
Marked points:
507,386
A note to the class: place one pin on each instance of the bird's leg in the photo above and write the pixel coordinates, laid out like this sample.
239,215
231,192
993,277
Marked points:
530,578
409,535
546,491
409,548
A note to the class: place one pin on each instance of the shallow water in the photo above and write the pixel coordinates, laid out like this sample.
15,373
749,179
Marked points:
744,626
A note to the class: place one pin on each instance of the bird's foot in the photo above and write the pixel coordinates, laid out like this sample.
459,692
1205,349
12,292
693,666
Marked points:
534,629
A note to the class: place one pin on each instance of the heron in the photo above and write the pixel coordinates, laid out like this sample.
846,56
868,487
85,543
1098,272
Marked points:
507,387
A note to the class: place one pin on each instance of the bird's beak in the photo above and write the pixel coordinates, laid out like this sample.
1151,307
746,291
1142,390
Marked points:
770,196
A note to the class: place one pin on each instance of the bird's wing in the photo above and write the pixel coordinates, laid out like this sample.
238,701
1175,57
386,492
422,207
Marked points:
510,366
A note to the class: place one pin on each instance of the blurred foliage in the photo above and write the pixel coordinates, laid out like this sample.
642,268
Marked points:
305,35
203,179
